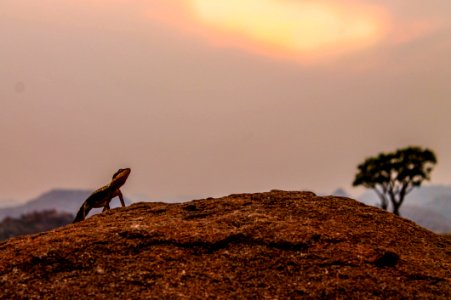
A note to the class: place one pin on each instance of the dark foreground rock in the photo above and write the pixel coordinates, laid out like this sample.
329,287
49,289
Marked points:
267,245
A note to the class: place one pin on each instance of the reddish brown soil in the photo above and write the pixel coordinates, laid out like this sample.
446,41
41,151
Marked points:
267,245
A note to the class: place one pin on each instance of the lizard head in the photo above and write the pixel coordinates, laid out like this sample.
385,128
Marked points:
121,176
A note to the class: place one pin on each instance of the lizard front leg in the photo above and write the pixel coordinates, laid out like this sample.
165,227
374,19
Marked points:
119,193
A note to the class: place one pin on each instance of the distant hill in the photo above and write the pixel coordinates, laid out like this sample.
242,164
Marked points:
340,192
427,218
5,202
428,206
275,245
441,204
435,197
62,200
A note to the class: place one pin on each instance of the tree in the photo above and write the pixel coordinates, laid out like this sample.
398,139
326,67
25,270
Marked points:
33,223
393,175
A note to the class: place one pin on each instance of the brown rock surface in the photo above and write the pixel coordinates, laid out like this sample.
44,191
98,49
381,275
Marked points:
267,245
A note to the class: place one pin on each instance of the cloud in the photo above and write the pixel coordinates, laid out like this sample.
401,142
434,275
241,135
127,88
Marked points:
299,29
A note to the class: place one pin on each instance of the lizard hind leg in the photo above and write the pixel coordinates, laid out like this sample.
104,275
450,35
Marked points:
106,207
82,213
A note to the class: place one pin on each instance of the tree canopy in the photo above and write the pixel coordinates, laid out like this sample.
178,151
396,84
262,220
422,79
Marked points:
393,175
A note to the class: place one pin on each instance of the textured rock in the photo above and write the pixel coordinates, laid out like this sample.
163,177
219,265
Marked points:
267,245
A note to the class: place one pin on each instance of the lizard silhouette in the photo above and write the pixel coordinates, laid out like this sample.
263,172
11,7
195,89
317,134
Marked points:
103,196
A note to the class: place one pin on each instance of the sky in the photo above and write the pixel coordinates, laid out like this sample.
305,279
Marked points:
207,98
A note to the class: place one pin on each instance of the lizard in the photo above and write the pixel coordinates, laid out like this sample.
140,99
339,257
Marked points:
103,196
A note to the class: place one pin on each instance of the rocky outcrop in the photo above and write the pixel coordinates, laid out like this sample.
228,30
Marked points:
268,245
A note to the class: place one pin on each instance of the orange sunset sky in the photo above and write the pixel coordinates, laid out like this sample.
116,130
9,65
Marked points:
206,98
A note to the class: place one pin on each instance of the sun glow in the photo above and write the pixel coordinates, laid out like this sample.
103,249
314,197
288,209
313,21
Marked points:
302,28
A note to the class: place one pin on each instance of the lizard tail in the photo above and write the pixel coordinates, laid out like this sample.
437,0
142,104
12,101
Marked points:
82,213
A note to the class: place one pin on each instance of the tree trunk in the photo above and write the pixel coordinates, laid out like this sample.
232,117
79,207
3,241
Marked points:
396,209
401,196
384,201
396,204
384,204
